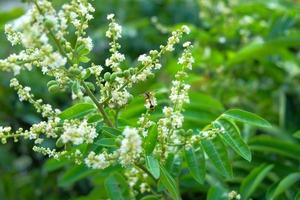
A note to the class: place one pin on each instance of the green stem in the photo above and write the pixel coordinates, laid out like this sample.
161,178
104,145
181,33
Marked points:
99,106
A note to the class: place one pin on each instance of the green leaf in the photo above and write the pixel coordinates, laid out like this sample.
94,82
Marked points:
77,111
106,142
74,174
9,15
266,144
117,187
196,163
252,181
153,166
217,153
231,136
169,183
111,131
246,117
151,197
53,164
282,186
173,164
217,193
84,59
150,140
297,134
262,49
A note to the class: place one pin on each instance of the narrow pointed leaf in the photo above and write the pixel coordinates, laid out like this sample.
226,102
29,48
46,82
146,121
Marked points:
106,142
77,111
169,183
283,185
217,153
267,144
116,187
196,163
231,136
246,117
217,193
252,181
153,166
150,140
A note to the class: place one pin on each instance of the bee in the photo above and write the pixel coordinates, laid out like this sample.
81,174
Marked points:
150,101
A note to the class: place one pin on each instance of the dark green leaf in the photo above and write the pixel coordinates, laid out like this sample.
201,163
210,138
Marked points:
52,165
150,140
117,187
282,186
252,181
217,153
169,183
196,163
231,136
267,144
74,174
217,193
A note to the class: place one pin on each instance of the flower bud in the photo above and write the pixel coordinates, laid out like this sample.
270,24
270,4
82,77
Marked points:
113,76
107,76
54,89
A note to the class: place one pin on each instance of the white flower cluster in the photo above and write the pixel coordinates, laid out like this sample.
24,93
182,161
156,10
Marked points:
100,161
233,195
25,95
78,132
144,123
114,33
49,152
173,118
136,178
43,32
131,146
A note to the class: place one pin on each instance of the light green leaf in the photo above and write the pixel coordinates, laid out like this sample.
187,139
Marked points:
77,111
153,166
117,187
150,140
196,163
262,49
151,197
297,134
246,117
252,181
231,136
217,153
106,142
282,186
169,183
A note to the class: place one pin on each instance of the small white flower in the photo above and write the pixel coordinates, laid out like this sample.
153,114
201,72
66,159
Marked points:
110,16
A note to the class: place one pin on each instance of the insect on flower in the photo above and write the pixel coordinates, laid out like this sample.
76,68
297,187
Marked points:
150,100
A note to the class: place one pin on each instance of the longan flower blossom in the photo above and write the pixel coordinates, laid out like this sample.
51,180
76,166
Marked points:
131,146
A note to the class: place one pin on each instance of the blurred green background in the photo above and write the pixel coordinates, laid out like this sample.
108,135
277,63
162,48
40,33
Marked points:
247,56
